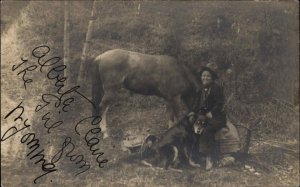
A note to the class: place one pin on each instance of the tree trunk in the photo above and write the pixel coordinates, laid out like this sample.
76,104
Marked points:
83,65
67,40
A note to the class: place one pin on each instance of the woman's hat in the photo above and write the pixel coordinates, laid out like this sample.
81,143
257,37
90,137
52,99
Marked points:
210,67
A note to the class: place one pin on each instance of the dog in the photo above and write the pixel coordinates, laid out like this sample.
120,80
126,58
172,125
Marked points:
173,147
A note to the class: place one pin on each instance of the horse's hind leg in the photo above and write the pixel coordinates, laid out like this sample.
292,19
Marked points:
96,102
101,101
97,94
103,108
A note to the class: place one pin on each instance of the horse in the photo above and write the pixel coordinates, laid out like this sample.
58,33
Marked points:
154,75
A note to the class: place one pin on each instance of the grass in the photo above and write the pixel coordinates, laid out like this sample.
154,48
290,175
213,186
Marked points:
276,166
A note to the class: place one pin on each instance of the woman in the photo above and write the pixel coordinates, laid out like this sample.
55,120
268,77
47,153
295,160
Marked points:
208,107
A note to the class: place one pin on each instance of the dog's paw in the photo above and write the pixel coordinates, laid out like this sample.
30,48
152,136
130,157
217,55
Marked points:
146,163
227,161
176,170
194,164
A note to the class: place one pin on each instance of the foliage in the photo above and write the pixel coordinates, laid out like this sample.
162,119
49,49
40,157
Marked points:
253,43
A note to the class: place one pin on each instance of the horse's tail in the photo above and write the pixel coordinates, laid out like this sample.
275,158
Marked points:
97,86
85,70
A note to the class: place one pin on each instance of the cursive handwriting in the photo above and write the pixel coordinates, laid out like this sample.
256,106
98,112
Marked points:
55,72
61,101
24,71
91,142
14,129
49,125
29,138
33,145
91,138
96,120
68,148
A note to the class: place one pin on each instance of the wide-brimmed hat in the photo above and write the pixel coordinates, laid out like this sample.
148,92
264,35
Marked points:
208,68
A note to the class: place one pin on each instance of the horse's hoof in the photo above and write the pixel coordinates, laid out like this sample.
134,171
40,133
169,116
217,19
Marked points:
208,167
176,170
146,163
227,161
209,164
196,165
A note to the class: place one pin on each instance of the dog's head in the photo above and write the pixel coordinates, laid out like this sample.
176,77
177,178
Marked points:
148,147
199,124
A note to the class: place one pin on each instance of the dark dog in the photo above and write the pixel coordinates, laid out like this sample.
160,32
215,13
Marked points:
175,144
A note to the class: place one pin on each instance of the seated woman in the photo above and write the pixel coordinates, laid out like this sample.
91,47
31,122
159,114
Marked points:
208,106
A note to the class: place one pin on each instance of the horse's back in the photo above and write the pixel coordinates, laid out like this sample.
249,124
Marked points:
111,57
132,58
142,73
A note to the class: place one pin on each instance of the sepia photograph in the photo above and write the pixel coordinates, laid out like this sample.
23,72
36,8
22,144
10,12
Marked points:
100,93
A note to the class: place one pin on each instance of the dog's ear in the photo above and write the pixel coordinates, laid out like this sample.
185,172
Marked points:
147,146
151,139
201,118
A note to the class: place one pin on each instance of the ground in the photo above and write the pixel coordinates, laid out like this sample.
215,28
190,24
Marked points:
267,165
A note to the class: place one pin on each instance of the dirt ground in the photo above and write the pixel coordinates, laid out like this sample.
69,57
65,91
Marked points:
267,165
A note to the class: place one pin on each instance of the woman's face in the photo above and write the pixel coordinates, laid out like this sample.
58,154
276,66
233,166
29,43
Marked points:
206,78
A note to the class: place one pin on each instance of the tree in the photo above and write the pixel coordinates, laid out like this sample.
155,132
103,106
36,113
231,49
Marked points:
67,38
83,65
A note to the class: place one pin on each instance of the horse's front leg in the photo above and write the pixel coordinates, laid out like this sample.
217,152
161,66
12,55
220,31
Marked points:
103,123
178,110
171,114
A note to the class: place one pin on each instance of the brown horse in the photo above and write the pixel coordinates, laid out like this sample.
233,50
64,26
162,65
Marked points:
144,74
